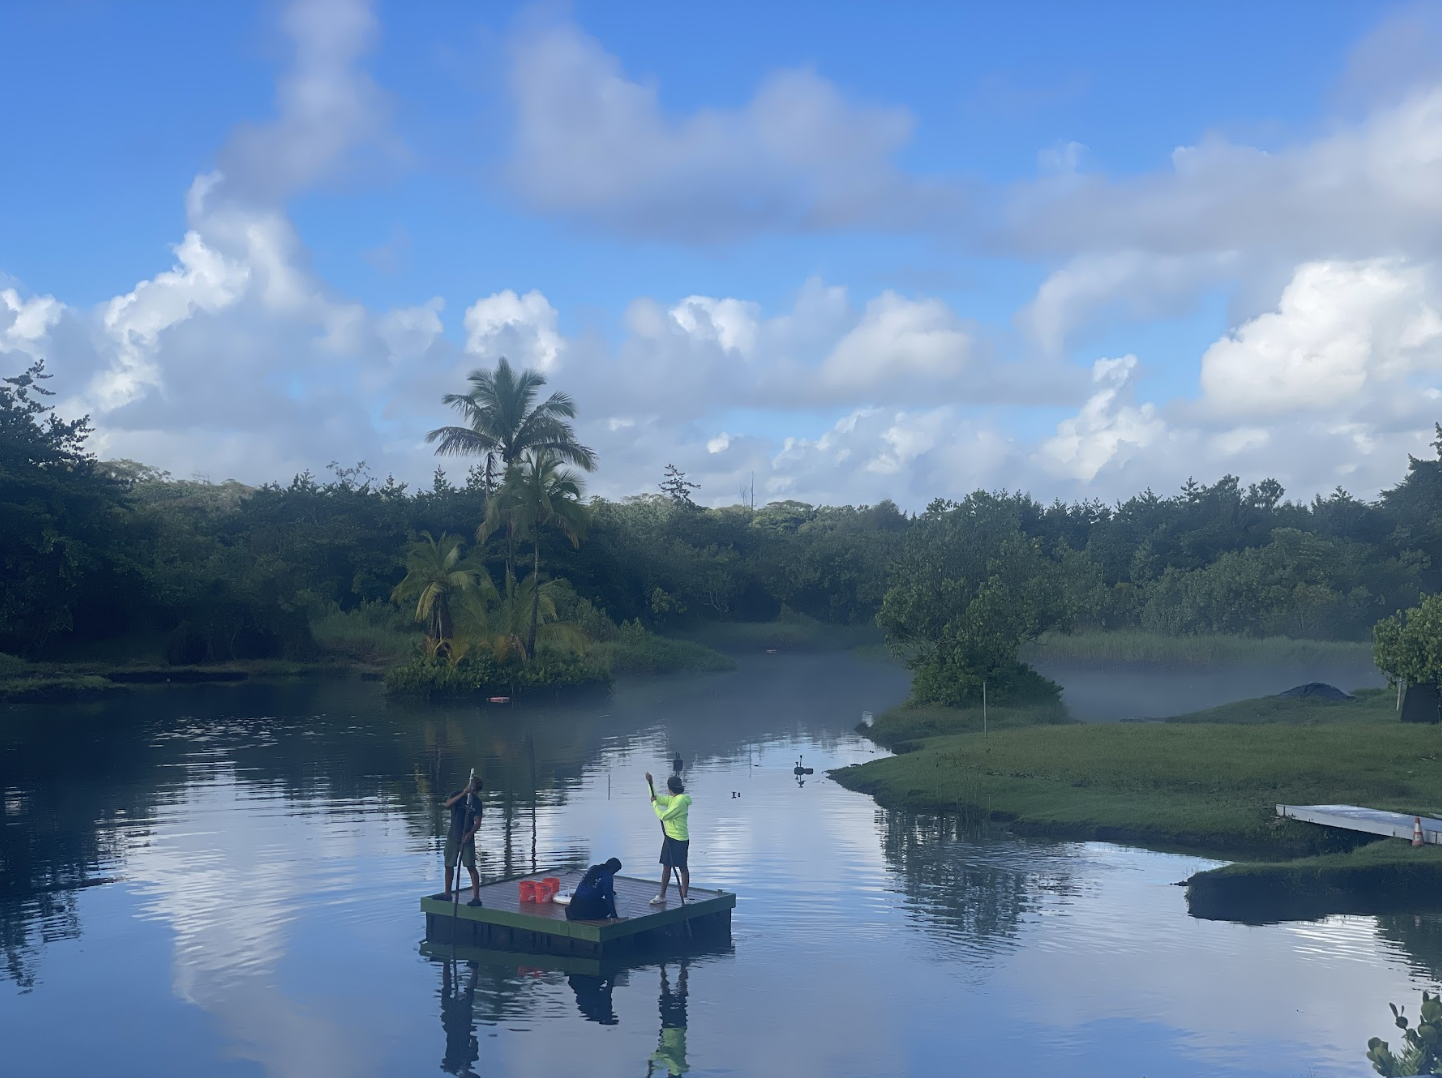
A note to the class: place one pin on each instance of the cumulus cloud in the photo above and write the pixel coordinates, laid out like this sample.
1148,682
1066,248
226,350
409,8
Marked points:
1107,430
25,323
521,328
595,145
1341,332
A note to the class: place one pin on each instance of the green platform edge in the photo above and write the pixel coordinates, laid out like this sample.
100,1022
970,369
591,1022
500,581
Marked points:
589,931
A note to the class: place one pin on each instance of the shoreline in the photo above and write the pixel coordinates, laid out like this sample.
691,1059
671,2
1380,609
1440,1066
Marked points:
1204,785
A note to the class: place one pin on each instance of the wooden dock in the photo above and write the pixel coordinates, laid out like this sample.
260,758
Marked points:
504,923
1366,820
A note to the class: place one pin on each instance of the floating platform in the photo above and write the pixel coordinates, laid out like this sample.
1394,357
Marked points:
1368,821
504,923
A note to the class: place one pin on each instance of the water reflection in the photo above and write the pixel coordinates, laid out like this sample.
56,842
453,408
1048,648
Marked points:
270,844
977,887
670,1053
458,1006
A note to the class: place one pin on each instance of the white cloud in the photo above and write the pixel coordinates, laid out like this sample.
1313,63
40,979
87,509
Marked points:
593,144
329,112
1136,284
899,339
25,323
202,279
521,328
731,323
1340,330
1108,430
1369,186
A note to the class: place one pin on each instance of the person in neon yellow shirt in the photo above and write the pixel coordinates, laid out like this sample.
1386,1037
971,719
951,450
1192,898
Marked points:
672,809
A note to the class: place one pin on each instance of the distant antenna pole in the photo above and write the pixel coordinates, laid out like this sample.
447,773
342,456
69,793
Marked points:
983,709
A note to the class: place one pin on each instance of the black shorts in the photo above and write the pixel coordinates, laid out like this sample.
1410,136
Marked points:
673,852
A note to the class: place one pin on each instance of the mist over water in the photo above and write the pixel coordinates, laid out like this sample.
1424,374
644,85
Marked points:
225,880
1104,692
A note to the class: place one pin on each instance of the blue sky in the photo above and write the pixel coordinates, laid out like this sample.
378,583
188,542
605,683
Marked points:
916,230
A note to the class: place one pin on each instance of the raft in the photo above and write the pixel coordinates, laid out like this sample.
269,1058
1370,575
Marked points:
504,923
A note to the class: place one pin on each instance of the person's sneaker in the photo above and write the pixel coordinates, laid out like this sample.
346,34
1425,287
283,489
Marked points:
659,900
474,903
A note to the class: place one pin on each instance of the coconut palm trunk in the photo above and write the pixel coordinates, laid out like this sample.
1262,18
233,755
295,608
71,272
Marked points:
535,596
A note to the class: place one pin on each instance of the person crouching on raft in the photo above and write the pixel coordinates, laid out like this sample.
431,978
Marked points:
672,810
595,896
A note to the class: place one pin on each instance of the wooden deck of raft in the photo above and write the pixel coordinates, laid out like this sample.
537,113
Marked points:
503,922
1366,820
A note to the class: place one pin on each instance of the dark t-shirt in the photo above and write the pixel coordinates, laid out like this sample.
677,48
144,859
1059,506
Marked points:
466,810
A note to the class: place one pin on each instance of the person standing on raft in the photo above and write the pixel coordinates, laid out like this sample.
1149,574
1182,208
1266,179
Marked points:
465,809
672,809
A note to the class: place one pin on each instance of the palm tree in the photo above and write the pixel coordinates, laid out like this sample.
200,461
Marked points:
538,494
504,421
436,574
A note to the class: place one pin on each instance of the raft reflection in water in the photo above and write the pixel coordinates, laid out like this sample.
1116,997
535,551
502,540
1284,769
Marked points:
497,988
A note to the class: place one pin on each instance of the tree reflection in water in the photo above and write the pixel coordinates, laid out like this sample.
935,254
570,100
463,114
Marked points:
978,889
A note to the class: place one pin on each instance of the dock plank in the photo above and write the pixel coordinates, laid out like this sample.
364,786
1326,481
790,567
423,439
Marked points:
1365,820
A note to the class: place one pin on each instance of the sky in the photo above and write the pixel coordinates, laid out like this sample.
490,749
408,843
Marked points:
844,251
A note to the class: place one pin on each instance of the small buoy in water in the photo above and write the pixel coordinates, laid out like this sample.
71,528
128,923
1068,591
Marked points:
676,764
500,699
799,770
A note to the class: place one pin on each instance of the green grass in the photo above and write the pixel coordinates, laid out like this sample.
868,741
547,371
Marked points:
361,636
41,688
902,727
1200,785
12,666
652,654
801,634
1386,876
1134,646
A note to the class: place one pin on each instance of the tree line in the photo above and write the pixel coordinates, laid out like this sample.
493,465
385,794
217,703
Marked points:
98,550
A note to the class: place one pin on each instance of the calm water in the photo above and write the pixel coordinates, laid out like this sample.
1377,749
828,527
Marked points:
224,881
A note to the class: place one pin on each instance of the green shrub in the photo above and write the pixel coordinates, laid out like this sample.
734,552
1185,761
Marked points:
478,674
13,666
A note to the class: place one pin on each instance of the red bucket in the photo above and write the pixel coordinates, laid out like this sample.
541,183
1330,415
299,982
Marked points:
552,886
528,891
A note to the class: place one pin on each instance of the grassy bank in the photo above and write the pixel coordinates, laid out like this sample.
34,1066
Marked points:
1207,782
57,682
800,634
637,653
1380,877
1130,646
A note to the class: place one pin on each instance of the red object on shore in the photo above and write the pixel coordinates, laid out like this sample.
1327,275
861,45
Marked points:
500,699
1417,839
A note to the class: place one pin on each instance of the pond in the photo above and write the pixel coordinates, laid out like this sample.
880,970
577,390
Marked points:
225,881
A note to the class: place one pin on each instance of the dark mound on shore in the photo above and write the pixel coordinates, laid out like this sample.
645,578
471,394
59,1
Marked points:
1318,691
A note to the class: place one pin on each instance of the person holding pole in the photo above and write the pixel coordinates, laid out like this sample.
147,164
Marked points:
672,809
465,809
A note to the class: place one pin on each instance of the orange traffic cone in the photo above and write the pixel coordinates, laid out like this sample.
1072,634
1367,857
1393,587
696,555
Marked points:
1417,839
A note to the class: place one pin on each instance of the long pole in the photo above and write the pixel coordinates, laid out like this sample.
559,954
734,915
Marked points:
983,709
